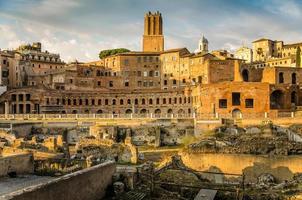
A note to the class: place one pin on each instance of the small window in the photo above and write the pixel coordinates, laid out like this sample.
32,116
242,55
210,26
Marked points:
236,99
223,103
126,83
174,82
110,83
165,82
249,103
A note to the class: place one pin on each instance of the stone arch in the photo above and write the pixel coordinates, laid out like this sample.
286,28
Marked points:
236,113
180,112
128,111
245,75
276,99
170,111
99,111
157,111
143,111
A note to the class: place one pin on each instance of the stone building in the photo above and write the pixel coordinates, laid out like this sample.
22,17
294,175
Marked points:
155,82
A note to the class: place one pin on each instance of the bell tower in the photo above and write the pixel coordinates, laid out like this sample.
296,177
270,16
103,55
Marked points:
153,39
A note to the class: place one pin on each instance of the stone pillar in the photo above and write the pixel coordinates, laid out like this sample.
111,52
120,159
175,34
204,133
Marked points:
6,109
265,115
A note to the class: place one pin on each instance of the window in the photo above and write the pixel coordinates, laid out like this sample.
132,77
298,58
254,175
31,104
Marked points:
249,103
126,83
236,99
145,74
121,102
113,102
71,81
165,82
174,82
20,97
150,73
106,101
27,97
143,101
164,101
223,103
139,83
99,83
150,83
157,101
294,78
110,83
129,101
150,101
156,74
281,78
139,73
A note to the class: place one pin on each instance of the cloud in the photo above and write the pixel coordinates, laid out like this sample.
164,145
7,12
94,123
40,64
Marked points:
80,29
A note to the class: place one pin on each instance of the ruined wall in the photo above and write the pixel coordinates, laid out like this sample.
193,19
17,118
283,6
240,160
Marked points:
87,184
21,164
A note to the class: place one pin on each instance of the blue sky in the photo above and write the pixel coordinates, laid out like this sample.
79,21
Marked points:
79,29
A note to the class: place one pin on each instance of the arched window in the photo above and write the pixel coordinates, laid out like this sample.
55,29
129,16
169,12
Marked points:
80,102
86,102
180,100
281,78
113,102
74,102
157,101
121,102
150,101
100,102
106,101
69,102
164,101
136,101
293,98
129,101
143,101
294,78
245,75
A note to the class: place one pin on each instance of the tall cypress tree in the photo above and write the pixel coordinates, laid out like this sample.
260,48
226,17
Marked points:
298,57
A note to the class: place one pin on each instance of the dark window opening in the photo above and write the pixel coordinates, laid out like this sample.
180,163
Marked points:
249,103
223,103
236,99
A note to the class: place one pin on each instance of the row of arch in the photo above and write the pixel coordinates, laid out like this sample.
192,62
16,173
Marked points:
277,99
136,101
158,111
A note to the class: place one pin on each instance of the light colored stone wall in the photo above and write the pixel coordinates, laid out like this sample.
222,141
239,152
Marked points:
19,163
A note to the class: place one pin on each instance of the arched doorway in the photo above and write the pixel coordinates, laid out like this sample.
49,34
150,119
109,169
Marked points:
128,111
143,112
181,113
276,99
99,112
236,113
170,112
245,75
157,112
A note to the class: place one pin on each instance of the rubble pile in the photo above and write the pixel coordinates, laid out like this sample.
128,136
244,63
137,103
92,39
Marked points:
258,140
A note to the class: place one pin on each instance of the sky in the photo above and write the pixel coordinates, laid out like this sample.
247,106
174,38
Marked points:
79,29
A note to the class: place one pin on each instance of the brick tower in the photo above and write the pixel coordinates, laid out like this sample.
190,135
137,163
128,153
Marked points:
153,39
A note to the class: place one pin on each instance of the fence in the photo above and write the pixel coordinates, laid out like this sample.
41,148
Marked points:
202,116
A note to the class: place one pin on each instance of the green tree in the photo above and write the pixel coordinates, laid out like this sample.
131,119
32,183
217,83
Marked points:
109,52
298,57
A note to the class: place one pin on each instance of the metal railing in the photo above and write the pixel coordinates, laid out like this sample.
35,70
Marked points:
199,116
